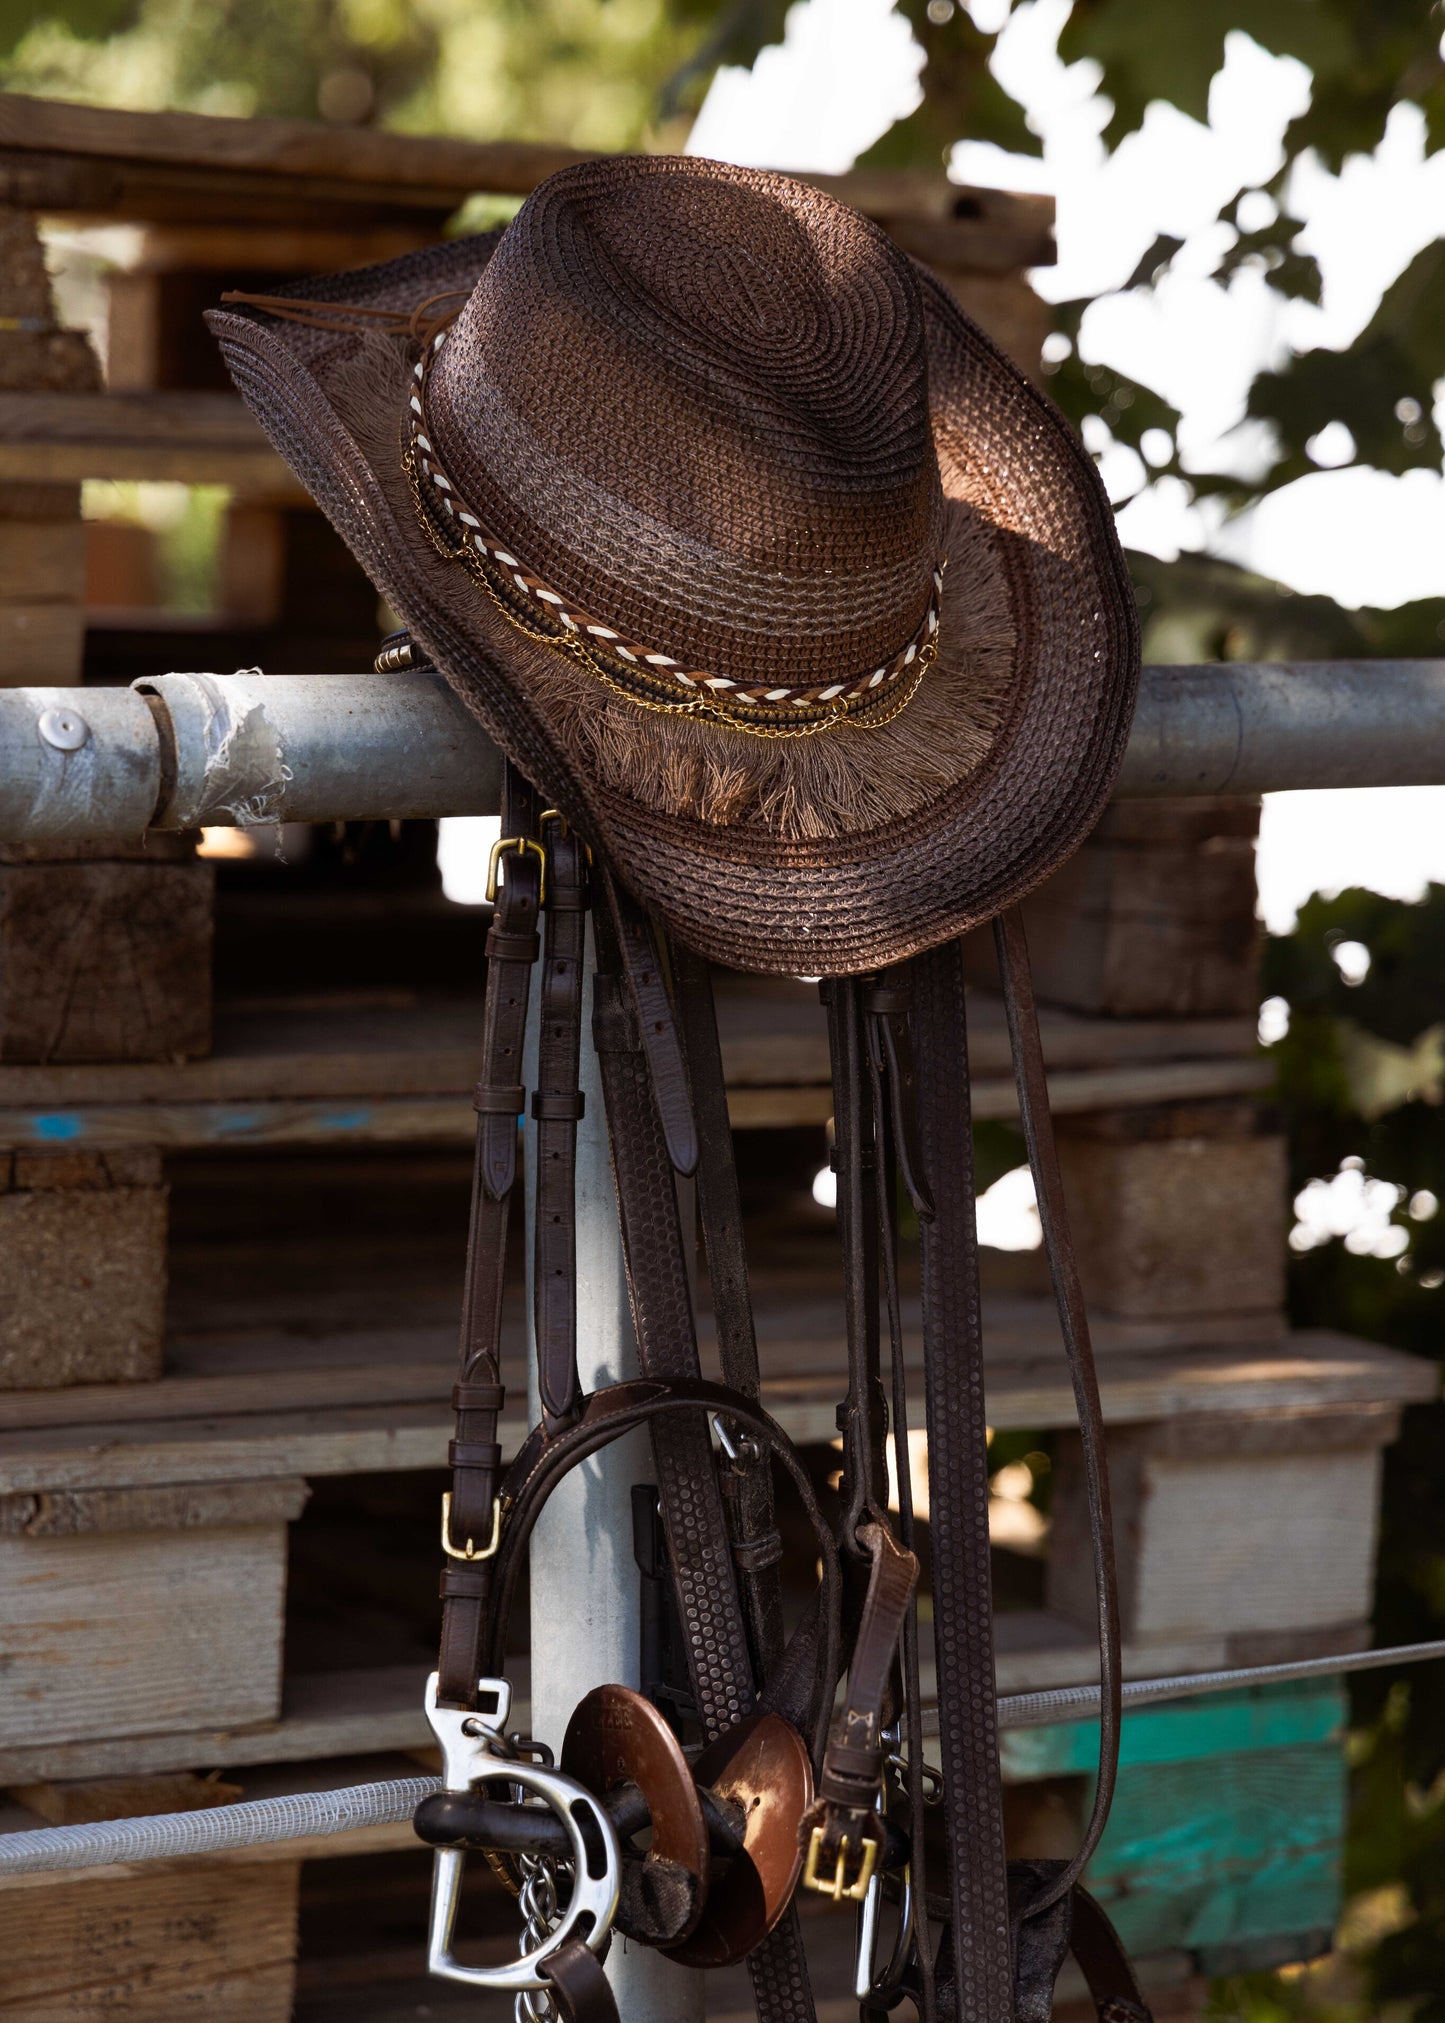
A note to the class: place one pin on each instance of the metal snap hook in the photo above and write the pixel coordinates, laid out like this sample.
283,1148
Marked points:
596,1860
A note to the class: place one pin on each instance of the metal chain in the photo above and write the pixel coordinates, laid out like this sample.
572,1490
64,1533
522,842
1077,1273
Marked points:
538,1898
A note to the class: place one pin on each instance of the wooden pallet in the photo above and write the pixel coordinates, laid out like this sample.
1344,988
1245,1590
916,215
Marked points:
402,1071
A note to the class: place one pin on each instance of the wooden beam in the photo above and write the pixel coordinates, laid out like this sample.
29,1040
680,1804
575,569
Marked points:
1312,1372
178,167
195,438
449,1120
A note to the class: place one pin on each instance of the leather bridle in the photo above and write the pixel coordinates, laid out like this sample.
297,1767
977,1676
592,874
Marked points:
987,1943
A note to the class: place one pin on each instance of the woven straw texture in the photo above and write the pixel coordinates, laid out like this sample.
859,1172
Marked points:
724,410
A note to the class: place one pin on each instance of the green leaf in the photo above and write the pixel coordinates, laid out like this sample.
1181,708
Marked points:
1126,406
1154,264
962,99
1273,251
1146,55
1381,388
87,20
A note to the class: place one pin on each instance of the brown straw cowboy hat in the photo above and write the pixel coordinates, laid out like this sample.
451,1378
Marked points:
744,544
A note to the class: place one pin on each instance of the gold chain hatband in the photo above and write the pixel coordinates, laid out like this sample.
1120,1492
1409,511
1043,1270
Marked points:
654,681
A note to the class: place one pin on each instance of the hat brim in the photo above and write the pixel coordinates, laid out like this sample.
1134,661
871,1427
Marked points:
743,895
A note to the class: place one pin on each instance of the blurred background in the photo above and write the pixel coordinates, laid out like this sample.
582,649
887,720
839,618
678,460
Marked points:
1247,322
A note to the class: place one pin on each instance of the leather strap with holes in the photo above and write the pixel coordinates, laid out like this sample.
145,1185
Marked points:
747,1486
653,1137
512,948
557,1104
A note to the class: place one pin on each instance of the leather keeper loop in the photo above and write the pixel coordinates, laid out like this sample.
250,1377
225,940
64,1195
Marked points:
556,1106
503,1102
856,1766
566,898
614,1029
462,1583
504,947
888,1000
478,1397
753,1554
474,1454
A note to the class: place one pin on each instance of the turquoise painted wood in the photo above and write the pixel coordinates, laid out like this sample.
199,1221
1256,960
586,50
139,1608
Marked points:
1220,1853
1224,1724
1226,1829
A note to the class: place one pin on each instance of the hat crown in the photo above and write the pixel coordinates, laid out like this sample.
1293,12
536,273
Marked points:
694,398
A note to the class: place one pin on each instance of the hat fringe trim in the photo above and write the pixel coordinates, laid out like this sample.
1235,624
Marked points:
807,790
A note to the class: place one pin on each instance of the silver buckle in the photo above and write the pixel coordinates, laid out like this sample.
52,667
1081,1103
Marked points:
468,1744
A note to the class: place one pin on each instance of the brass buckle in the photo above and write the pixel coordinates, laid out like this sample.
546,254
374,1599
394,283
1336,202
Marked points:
521,844
488,1551
839,1888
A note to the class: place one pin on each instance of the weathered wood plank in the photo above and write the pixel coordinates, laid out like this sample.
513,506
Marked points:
41,561
183,1506
1213,1854
196,438
153,1947
127,1632
1264,1718
1255,1543
450,1120
352,1713
420,1120
82,1279
403,1045
1307,1372
105,961
1182,1225
175,165
77,1802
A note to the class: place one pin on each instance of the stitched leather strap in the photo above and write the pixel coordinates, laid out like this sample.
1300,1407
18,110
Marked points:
958,1500
719,1662
888,1007
863,1418
747,1489
649,1117
543,1459
557,1107
852,1772
1104,1964
656,1026
479,1395
1028,1053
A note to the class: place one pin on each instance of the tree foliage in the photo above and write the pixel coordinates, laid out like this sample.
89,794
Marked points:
1366,58
597,73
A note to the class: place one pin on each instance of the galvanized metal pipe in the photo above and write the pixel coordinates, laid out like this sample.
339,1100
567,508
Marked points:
1266,727
307,1814
586,1590
184,751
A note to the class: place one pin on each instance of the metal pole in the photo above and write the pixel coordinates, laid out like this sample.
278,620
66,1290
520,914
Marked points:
182,751
586,1590
1266,727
